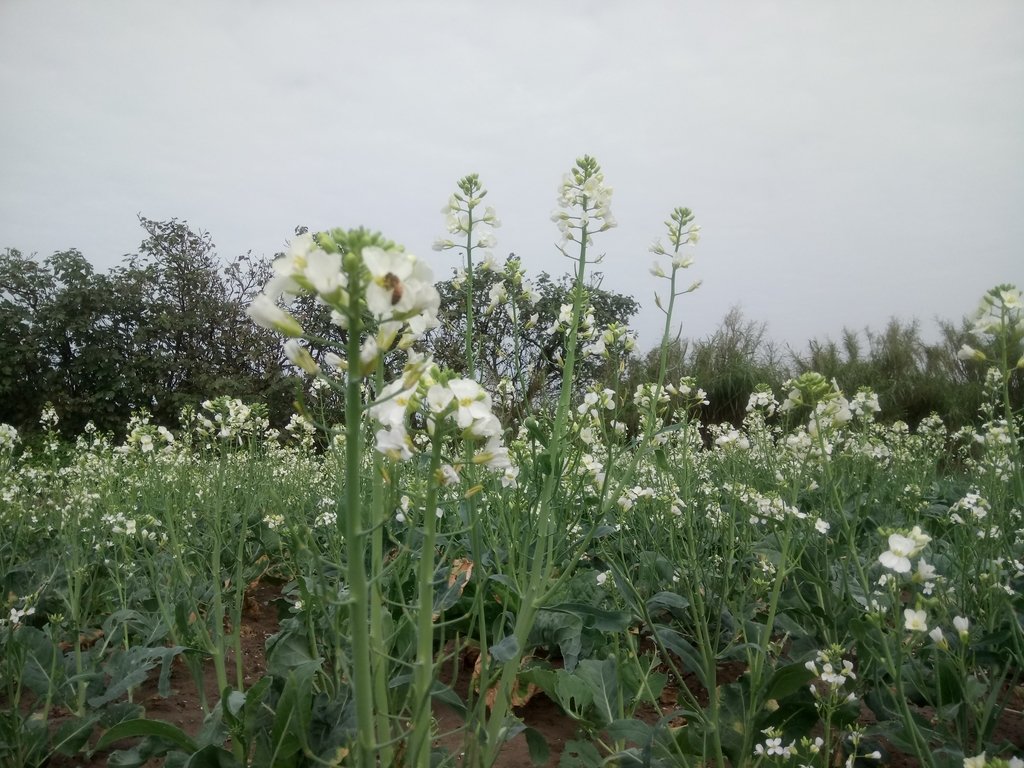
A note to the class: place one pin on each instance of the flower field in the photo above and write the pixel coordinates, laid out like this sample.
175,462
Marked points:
814,586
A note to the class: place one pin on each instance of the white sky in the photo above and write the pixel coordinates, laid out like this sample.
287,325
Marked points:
847,161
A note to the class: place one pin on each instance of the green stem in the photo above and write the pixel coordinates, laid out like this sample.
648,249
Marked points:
470,349
423,674
378,641
355,540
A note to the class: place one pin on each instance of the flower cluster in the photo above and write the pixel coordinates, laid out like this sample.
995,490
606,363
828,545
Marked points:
395,288
8,438
463,220
772,746
831,668
1000,316
145,437
585,201
231,420
682,233
462,403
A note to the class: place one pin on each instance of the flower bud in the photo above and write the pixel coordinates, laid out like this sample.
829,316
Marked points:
967,352
265,313
300,356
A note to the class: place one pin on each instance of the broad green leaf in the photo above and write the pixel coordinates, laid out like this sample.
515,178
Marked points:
538,746
506,650
147,728
675,604
680,646
573,694
786,680
580,754
602,679
213,757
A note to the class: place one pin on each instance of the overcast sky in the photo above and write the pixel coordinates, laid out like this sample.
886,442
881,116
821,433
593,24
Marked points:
848,162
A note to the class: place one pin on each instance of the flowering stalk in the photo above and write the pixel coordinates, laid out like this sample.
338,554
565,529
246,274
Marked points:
462,219
585,197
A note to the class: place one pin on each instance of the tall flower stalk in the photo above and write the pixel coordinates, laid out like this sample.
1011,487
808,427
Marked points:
584,200
470,232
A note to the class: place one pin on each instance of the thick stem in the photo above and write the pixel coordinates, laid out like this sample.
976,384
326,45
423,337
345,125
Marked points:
423,675
351,522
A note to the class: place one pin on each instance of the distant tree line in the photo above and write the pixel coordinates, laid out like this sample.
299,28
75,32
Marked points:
167,328
911,376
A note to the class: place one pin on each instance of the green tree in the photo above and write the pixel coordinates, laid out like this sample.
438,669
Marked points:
512,332
194,341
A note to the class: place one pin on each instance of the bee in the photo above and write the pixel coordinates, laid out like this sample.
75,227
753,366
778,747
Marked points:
394,284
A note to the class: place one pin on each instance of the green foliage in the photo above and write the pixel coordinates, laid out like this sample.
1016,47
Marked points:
521,350
165,329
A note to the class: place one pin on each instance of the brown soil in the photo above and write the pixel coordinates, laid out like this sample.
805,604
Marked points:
183,709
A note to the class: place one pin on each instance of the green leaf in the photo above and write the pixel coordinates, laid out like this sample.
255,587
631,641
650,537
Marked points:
633,731
787,680
290,732
74,733
580,754
506,650
573,694
213,757
538,746
287,651
668,601
147,728
603,682
598,618
445,694
680,646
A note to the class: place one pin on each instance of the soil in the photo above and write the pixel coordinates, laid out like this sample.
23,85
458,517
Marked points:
260,621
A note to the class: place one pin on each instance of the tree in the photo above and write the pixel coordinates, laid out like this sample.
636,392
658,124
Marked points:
195,341
512,320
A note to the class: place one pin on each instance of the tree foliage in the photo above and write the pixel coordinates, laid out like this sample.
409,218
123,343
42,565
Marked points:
164,329
515,343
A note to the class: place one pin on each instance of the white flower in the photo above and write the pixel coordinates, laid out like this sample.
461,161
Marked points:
494,455
265,313
438,398
394,443
497,295
925,571
473,402
386,293
920,538
510,477
961,625
487,427
447,475
393,403
400,286
937,637
821,526
915,621
897,557
323,271
978,761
